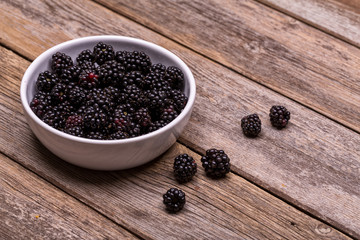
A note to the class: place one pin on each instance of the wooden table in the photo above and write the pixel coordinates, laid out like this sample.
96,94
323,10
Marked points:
302,182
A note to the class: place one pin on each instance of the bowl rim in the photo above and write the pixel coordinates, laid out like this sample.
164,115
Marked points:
47,54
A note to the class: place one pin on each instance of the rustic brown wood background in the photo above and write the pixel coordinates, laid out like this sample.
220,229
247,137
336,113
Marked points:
299,183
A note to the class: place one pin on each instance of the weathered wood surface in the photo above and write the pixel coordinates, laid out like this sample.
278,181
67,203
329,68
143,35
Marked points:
229,208
269,47
314,163
31,208
338,18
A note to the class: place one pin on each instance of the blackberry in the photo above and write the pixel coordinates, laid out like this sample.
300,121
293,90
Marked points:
77,95
174,200
70,74
112,92
60,61
216,163
58,93
74,121
46,81
279,116
118,135
89,79
152,80
122,119
156,99
84,57
158,68
97,135
134,61
103,100
102,53
134,129
41,103
251,125
133,77
168,114
111,73
185,168
75,131
133,96
142,117
58,115
179,99
95,118
175,77
156,125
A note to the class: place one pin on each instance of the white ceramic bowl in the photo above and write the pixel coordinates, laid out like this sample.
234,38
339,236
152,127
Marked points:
106,154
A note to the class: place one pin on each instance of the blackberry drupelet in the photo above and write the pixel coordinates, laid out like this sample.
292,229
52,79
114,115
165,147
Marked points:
174,200
251,125
279,116
46,81
185,168
84,57
103,52
60,61
134,61
216,163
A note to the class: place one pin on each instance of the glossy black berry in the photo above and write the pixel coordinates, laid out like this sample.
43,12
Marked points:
174,200
46,81
251,125
103,52
216,163
279,116
60,61
84,57
185,168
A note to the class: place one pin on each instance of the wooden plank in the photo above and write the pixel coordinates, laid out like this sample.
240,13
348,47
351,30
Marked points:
267,46
31,208
312,155
229,208
338,18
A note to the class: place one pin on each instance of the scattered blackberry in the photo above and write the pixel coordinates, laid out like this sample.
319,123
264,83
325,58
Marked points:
175,77
142,117
41,103
102,53
111,73
185,168
168,114
84,57
251,125
46,81
58,93
134,61
60,61
279,116
216,163
174,200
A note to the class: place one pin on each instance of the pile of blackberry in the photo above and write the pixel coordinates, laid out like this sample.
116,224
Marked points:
106,94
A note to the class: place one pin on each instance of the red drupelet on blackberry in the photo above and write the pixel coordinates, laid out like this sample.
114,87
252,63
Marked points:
174,200
60,61
185,168
216,163
103,52
46,81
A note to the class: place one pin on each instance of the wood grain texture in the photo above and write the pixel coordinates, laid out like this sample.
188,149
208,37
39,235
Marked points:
338,18
269,47
229,208
314,163
31,208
